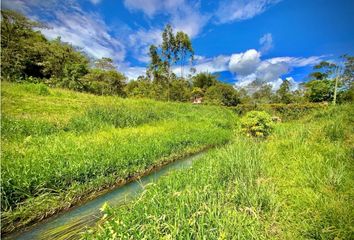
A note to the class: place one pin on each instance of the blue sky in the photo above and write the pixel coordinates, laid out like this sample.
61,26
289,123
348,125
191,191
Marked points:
241,40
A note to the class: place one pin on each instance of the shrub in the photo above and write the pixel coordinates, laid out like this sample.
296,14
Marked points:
257,124
39,89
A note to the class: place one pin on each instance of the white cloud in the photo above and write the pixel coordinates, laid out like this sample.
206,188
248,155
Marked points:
132,72
212,65
95,2
86,30
266,42
276,84
249,67
183,16
269,72
152,7
238,10
298,61
245,63
16,5
140,41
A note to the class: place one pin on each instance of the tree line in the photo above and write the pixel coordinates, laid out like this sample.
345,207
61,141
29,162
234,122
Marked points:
27,56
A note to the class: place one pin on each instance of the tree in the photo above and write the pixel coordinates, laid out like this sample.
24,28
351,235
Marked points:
27,53
184,49
58,57
180,90
139,88
72,77
324,70
347,77
244,97
283,93
105,64
319,90
264,94
222,94
323,83
103,82
156,69
197,93
204,80
18,49
169,50
173,48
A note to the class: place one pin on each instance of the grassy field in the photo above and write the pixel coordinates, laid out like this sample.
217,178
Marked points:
297,184
59,147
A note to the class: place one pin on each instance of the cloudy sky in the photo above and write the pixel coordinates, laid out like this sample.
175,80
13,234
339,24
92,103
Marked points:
241,40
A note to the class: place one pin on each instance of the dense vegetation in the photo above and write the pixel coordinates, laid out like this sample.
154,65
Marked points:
295,185
59,146
27,56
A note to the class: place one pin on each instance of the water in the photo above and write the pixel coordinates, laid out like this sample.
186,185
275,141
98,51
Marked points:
69,225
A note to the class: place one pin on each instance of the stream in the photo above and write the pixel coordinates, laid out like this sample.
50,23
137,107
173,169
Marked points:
70,224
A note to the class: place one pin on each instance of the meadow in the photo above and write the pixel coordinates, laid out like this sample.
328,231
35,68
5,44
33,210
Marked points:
61,147
296,184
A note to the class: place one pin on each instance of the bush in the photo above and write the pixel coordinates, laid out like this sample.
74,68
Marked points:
257,124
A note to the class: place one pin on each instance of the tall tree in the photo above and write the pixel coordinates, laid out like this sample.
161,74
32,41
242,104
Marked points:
184,49
156,67
169,49
283,93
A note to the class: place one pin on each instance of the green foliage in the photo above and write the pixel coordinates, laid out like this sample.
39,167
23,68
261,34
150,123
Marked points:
19,46
105,82
324,70
263,94
320,90
140,88
221,94
204,80
180,91
184,49
283,93
257,124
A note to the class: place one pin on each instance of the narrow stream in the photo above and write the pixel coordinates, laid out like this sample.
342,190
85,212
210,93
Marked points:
69,225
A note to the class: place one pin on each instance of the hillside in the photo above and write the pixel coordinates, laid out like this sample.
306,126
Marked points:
60,147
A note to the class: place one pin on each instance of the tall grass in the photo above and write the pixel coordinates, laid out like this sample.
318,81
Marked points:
51,161
297,184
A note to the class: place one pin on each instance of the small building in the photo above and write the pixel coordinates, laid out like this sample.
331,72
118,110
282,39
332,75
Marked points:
198,100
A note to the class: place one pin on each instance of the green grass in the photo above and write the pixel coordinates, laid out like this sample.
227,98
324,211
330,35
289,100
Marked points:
297,184
60,146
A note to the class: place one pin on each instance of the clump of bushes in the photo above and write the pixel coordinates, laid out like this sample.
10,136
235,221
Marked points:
257,124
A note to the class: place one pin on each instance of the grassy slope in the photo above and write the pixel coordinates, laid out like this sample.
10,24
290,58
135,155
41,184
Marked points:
297,184
58,145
